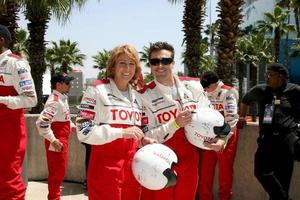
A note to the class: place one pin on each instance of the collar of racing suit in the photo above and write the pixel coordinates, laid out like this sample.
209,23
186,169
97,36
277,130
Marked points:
60,95
181,89
5,53
216,91
118,93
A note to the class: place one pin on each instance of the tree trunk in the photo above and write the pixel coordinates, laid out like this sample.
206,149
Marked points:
296,14
64,68
192,24
229,31
37,27
286,49
277,37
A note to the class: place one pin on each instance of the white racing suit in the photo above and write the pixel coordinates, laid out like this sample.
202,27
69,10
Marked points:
54,123
16,92
225,100
161,110
104,112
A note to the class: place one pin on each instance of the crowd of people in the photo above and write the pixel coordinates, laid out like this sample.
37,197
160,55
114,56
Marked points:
120,114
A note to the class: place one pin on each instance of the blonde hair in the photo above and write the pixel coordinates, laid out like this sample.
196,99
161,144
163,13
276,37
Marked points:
129,51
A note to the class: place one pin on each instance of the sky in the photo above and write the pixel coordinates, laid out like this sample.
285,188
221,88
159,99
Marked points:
106,24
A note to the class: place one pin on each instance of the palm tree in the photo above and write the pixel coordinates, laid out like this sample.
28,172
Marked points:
276,23
207,61
101,59
65,54
21,44
148,77
9,16
145,55
252,50
212,37
295,5
229,21
39,12
193,17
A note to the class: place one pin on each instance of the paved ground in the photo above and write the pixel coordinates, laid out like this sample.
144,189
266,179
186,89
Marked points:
70,191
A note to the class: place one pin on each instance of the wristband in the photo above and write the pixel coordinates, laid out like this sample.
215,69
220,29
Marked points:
175,125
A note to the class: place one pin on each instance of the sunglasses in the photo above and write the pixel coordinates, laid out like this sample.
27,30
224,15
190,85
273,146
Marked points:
163,61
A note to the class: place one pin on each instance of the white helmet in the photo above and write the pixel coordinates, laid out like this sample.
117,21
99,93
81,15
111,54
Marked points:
207,123
151,166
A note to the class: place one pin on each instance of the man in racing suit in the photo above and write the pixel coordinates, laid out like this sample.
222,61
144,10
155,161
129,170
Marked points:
55,126
16,92
168,102
225,100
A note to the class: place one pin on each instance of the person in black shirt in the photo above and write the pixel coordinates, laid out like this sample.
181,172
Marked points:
278,142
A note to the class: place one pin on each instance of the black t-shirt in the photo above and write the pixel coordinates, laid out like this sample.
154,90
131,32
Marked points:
286,111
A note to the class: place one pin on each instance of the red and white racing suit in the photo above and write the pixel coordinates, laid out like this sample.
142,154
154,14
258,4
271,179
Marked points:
54,123
104,112
225,100
161,110
16,92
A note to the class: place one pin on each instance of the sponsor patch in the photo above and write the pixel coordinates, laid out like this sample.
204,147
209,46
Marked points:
145,120
22,70
48,115
50,110
24,76
87,114
2,65
44,124
145,129
87,106
230,107
29,93
228,98
90,100
27,88
86,127
25,83
87,130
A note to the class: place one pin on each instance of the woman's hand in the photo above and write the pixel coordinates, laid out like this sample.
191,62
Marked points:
133,132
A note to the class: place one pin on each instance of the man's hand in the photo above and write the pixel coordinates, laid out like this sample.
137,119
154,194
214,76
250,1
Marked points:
133,132
184,118
58,146
217,145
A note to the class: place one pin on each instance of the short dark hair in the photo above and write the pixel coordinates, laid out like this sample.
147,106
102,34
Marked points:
208,78
60,78
157,46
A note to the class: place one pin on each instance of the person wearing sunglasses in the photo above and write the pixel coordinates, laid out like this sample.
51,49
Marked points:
169,101
17,92
224,99
279,130
54,124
